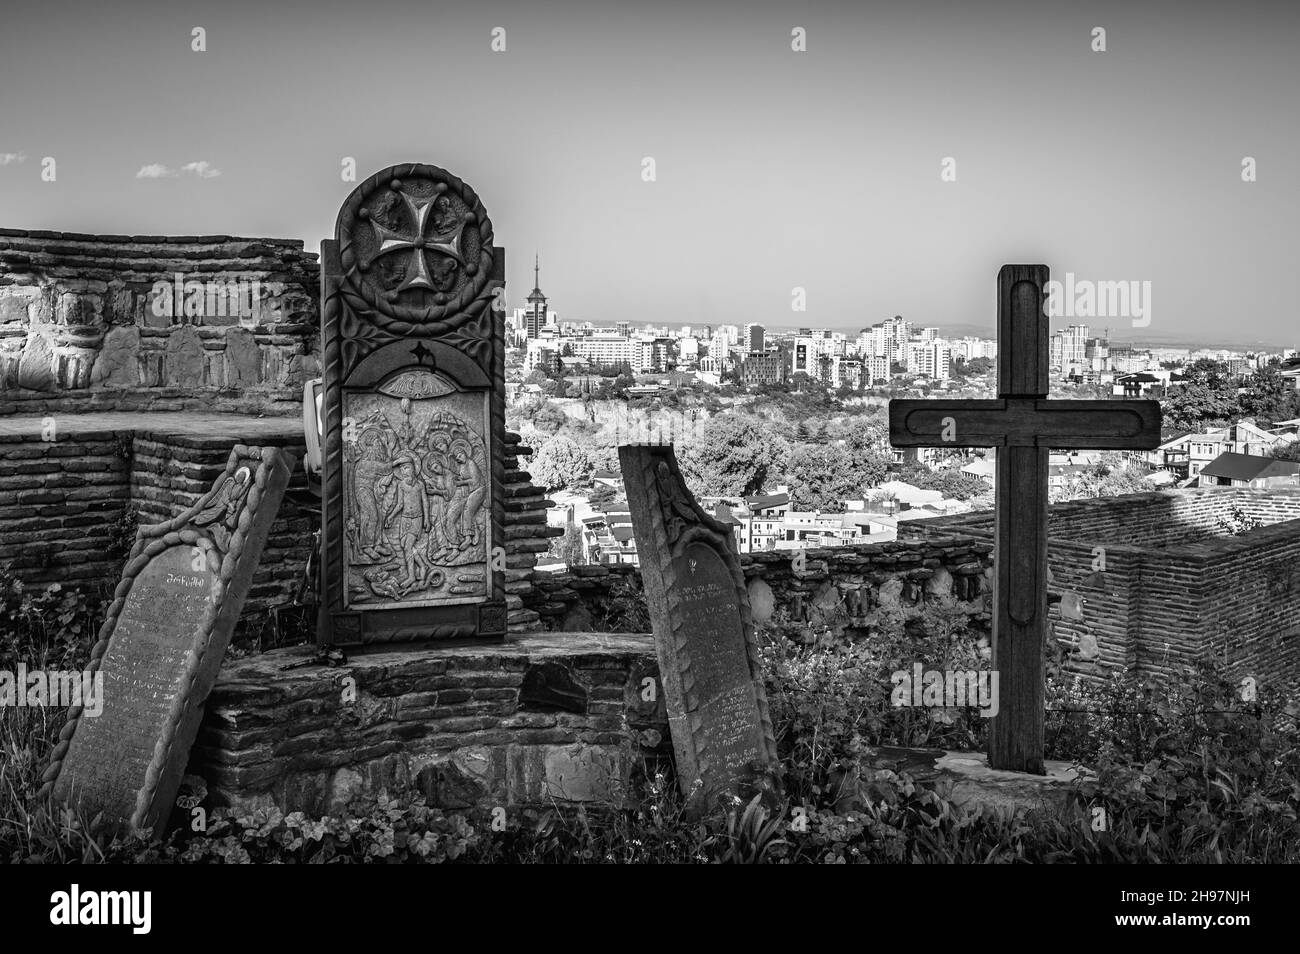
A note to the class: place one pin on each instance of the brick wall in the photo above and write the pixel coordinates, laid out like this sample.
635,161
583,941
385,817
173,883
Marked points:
59,503
1160,584
171,471
1172,587
1149,580
544,718
62,500
1156,519
1250,610
81,328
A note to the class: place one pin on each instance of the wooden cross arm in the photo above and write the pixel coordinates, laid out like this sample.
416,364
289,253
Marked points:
1025,422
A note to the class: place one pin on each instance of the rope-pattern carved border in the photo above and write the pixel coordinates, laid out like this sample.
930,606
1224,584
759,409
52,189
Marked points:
332,457
497,578
151,541
444,631
362,334
404,319
705,529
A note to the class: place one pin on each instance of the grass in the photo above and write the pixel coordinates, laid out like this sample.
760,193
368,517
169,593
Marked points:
1185,772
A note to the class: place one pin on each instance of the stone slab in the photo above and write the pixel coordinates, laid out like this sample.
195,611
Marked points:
966,779
704,634
161,646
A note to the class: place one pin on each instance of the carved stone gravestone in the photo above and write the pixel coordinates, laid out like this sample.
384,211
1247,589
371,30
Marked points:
414,409
161,645
704,635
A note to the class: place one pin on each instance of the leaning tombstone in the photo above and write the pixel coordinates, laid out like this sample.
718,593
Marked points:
160,647
704,635
412,339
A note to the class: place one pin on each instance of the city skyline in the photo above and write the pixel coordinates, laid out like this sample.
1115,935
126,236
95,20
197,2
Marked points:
960,330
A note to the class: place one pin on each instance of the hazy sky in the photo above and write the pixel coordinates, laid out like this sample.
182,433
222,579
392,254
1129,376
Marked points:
775,169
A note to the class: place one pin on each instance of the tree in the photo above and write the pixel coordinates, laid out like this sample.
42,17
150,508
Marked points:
1207,398
822,477
977,367
1107,478
1195,406
602,454
1268,397
544,416
622,383
561,464
568,548
732,456
1287,451
1208,370
951,483
868,430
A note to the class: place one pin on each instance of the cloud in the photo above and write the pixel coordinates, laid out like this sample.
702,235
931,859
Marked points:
203,169
10,158
157,170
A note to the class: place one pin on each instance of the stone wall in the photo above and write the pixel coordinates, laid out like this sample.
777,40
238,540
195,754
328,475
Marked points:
68,482
61,505
1250,600
543,718
837,589
1147,581
67,503
171,471
94,322
1156,519
1153,582
527,535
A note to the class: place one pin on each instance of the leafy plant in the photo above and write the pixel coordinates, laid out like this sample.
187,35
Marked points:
1237,521
52,627
624,610
122,533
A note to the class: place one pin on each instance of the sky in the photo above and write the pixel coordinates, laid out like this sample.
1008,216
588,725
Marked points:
774,169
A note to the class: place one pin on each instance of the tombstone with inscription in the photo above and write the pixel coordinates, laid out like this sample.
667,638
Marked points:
414,414
161,645
704,635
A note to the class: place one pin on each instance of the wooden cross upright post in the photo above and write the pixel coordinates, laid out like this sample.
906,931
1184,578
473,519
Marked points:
1023,425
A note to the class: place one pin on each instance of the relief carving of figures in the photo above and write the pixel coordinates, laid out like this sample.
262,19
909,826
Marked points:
417,521
220,518
371,463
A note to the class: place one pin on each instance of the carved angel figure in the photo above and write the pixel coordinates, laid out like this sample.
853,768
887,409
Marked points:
221,516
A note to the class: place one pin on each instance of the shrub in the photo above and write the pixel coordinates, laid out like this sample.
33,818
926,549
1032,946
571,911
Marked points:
1184,770
624,610
52,627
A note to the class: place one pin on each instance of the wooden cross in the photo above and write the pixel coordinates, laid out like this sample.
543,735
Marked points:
1023,425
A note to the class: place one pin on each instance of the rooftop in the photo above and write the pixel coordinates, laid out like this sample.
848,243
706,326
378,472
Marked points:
1249,467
